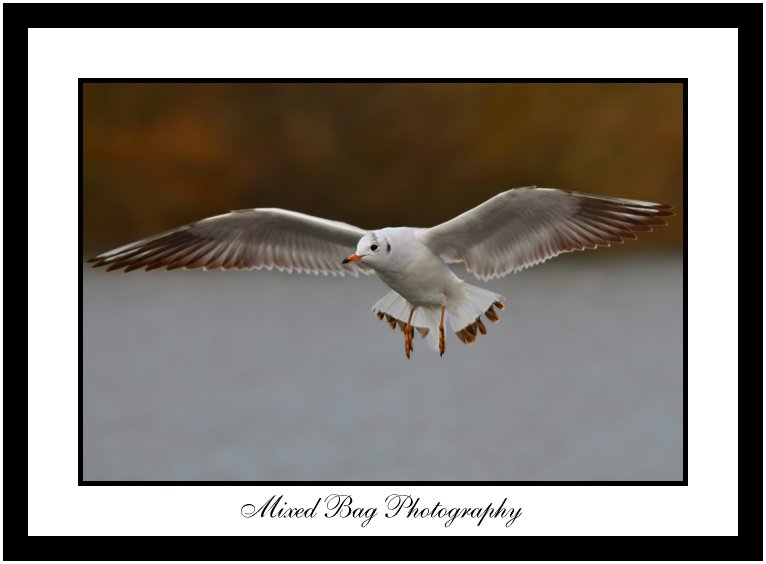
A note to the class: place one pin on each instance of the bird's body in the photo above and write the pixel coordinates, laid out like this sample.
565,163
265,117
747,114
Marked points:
414,271
514,230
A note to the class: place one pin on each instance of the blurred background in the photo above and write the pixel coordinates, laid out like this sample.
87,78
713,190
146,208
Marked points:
267,376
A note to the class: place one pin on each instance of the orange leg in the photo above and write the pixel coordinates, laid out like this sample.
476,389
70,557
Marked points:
442,341
409,335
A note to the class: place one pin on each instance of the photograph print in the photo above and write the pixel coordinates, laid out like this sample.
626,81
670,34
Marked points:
381,282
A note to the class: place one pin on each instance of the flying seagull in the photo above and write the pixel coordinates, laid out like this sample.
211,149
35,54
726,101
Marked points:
513,230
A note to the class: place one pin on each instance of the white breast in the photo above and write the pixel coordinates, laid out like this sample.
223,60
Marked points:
414,271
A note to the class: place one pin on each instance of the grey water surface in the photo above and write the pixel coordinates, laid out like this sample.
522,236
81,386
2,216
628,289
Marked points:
192,375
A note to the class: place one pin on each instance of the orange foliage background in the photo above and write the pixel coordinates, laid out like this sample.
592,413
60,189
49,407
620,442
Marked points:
160,155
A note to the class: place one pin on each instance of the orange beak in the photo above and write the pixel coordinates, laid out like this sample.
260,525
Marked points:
352,258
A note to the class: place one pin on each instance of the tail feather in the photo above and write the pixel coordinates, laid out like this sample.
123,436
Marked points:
395,310
463,314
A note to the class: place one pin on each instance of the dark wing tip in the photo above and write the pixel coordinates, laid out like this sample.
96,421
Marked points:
663,210
96,262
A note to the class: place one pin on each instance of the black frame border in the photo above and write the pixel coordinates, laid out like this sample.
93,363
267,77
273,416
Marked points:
19,18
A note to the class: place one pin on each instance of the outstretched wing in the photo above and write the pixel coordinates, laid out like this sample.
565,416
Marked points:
255,238
526,226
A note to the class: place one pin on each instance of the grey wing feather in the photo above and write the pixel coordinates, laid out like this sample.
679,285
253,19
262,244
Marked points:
526,226
255,238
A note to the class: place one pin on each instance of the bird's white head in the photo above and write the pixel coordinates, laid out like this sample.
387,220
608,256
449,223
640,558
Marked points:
373,249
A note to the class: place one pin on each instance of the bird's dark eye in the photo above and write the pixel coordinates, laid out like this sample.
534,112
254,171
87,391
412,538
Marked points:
374,248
